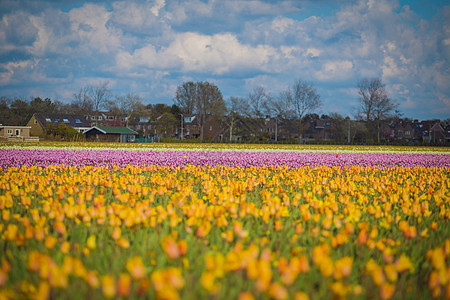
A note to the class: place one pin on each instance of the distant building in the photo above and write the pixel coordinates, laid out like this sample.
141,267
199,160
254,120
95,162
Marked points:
212,129
39,122
105,118
110,134
318,129
430,131
16,133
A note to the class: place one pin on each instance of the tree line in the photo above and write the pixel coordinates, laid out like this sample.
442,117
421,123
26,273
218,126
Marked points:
296,105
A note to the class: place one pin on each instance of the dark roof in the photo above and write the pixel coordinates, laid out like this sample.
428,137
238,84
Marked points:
69,120
113,130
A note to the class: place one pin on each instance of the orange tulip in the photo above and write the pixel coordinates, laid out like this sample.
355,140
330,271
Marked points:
108,286
136,267
124,285
170,247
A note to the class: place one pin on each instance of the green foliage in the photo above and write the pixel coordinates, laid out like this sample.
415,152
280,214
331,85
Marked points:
62,132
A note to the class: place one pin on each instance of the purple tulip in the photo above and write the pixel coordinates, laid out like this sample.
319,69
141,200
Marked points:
121,158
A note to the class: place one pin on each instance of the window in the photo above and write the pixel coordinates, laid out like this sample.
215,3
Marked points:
35,121
210,128
17,132
48,120
66,120
78,121
10,131
99,118
93,118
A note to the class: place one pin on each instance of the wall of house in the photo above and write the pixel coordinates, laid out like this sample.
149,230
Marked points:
36,128
12,131
97,136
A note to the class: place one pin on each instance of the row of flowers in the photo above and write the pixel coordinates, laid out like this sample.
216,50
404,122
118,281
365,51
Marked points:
226,147
121,158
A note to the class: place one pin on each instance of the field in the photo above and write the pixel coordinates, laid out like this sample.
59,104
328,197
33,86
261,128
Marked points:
190,221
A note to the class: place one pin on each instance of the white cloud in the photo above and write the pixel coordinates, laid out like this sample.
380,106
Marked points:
158,5
6,77
280,24
313,52
43,36
335,70
390,68
193,52
445,99
290,52
89,23
133,16
255,7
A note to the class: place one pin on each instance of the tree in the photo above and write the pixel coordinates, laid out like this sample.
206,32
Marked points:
7,116
91,98
301,99
202,98
22,112
186,97
338,129
236,106
100,95
82,103
209,102
375,104
259,102
43,106
166,123
282,106
62,132
128,106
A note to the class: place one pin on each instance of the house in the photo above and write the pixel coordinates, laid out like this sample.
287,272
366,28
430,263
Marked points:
143,126
17,133
318,129
212,129
39,122
403,130
430,131
105,118
447,133
110,134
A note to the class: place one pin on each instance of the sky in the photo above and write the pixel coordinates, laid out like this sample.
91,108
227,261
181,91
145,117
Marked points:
51,49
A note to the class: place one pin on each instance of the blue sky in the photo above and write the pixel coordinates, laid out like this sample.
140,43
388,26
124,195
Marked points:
53,48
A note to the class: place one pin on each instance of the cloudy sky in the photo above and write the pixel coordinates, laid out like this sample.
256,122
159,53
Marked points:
53,48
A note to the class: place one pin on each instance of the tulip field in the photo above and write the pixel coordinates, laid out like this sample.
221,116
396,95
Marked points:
214,221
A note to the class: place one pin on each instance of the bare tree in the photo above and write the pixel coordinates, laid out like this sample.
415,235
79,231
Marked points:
259,102
82,102
128,106
100,95
283,106
375,104
91,98
301,99
236,107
